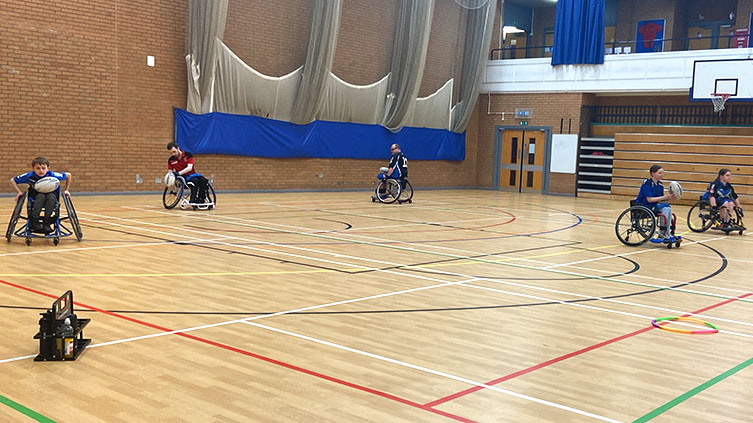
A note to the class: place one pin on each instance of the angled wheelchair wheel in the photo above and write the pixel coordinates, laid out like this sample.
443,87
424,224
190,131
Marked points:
388,191
72,219
700,216
172,194
211,196
635,225
15,216
407,193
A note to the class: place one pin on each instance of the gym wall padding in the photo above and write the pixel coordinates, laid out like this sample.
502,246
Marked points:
242,135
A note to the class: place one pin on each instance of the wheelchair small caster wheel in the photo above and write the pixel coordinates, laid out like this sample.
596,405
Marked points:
28,241
741,232
677,244
410,201
56,241
669,245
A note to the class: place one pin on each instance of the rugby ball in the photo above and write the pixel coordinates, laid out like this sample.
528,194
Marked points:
169,179
675,189
46,184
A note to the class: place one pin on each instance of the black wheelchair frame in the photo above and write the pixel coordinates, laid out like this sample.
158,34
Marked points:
637,224
180,193
60,230
702,216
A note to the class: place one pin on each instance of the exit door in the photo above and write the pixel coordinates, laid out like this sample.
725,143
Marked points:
522,160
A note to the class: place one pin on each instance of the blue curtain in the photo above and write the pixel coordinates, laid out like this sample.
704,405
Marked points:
578,32
241,135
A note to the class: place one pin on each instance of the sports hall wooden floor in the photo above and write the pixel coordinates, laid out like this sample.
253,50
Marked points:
467,305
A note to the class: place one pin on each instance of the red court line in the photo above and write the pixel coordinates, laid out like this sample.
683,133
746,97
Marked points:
569,355
259,357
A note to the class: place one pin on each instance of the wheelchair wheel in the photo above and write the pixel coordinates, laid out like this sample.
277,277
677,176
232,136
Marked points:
388,191
72,218
635,225
14,217
407,193
211,196
172,194
700,217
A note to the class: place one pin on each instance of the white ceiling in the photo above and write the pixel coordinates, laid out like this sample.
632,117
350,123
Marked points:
533,3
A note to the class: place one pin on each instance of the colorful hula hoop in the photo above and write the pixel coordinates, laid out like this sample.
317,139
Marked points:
656,324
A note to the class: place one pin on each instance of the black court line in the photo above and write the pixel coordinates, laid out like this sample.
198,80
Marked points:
719,270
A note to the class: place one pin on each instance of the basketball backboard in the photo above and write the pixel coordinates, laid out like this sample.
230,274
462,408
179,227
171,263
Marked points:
731,76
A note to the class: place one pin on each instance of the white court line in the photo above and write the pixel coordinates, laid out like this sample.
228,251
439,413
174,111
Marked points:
624,313
216,218
532,287
264,316
435,372
444,283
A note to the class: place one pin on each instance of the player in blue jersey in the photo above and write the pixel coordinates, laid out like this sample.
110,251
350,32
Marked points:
722,196
651,195
47,201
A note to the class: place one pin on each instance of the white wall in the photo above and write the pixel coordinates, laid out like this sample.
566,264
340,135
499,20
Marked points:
670,72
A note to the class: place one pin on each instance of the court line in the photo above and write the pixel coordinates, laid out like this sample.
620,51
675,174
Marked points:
182,333
492,280
415,250
231,244
25,410
698,389
434,372
570,355
448,273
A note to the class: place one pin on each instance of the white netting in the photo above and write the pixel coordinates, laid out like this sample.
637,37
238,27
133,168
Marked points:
718,100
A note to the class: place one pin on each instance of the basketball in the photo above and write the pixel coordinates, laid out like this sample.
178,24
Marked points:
384,169
169,179
46,184
675,189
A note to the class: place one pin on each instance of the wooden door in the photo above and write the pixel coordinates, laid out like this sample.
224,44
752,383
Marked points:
521,162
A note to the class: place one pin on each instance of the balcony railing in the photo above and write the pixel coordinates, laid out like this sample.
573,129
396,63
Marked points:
733,115
622,47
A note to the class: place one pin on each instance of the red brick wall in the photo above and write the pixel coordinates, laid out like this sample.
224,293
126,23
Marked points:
77,90
547,110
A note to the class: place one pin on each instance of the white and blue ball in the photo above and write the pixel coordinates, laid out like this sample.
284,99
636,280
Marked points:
47,184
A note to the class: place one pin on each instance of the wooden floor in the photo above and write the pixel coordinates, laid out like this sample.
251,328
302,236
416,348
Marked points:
467,305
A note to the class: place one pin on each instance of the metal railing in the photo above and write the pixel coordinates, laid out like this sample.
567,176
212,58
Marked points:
530,52
733,115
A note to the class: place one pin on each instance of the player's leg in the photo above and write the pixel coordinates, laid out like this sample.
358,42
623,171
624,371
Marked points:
666,217
36,212
202,183
50,205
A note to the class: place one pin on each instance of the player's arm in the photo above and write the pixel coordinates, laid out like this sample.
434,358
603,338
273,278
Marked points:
186,169
67,183
13,183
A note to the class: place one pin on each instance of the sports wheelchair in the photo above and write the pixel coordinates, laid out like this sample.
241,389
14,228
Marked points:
637,224
703,216
389,190
59,229
180,193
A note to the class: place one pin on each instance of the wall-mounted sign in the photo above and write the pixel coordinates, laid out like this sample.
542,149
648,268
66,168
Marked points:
523,113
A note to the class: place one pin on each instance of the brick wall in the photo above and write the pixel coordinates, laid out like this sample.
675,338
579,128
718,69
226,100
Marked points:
77,90
547,109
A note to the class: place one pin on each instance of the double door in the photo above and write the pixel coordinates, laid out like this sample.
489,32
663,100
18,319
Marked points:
521,161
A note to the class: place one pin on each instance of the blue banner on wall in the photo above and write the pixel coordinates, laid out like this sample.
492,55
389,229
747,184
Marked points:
578,32
241,135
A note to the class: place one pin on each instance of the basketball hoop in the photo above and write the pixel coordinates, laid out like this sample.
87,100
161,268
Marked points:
718,99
